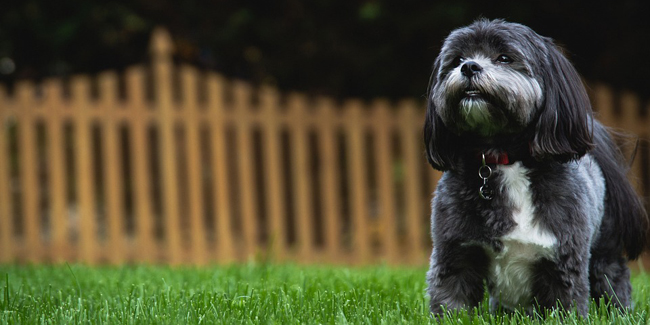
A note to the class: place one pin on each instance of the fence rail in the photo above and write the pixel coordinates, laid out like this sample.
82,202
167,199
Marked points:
167,164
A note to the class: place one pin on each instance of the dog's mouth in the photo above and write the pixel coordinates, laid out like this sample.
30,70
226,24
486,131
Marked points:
473,94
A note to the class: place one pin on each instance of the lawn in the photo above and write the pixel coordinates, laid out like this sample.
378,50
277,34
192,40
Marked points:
251,293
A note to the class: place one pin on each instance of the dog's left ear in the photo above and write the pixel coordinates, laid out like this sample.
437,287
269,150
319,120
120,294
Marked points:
564,129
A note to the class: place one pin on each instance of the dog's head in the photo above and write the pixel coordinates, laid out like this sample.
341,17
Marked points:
495,82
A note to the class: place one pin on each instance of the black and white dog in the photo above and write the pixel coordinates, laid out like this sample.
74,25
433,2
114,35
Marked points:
534,199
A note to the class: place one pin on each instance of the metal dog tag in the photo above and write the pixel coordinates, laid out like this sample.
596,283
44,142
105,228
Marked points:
485,172
485,192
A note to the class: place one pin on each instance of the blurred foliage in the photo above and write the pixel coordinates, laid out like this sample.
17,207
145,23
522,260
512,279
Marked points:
363,48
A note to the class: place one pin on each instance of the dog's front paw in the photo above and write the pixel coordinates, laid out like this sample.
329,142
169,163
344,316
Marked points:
440,306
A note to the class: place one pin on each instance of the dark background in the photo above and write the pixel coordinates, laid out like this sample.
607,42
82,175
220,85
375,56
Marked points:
343,48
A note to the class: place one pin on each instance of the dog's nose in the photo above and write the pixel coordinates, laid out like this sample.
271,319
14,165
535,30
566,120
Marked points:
470,68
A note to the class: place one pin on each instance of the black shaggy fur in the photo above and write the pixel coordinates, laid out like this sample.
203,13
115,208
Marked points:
557,142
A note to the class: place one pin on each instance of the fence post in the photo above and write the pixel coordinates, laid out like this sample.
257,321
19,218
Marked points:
161,52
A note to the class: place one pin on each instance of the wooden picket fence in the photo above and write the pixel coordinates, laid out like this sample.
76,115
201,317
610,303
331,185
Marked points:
167,164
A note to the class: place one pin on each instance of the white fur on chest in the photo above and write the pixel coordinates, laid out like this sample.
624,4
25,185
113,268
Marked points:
511,268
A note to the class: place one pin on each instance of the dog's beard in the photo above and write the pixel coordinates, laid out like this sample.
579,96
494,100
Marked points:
499,100
475,111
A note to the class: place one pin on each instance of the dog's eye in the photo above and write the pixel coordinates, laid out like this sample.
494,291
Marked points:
504,59
457,61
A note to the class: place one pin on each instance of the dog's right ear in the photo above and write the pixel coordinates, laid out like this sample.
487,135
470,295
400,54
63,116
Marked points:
438,139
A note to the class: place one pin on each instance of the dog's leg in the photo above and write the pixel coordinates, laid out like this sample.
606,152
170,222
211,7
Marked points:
562,282
456,277
610,279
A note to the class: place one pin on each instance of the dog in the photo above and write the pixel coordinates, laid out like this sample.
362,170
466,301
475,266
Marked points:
533,201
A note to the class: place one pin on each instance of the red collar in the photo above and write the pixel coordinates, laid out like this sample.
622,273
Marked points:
497,159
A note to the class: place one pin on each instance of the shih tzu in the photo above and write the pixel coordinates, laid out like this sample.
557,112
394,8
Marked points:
534,200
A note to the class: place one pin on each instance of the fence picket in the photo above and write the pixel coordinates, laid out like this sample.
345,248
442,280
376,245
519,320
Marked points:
113,172
225,251
330,178
247,188
7,253
138,124
87,245
161,47
274,183
386,187
302,178
194,166
28,170
358,180
58,188
414,204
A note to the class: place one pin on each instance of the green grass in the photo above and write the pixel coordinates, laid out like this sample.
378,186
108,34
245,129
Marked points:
249,294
